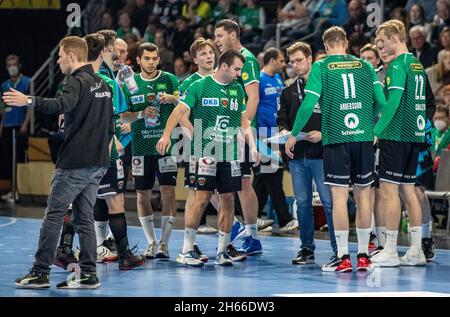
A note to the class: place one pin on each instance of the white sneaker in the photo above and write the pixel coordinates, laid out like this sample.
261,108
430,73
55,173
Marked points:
104,254
413,258
163,251
291,225
206,229
262,224
189,258
152,248
387,259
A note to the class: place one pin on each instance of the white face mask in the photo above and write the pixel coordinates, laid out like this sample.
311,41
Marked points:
13,71
440,125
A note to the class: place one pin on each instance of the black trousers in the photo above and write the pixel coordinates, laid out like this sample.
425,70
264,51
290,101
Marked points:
266,184
6,151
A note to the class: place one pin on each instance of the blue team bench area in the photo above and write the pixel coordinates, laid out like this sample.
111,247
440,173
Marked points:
269,274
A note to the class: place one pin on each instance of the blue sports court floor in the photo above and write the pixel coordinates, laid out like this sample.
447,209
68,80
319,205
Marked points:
269,274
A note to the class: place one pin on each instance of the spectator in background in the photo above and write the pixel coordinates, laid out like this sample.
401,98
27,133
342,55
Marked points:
252,19
401,14
139,13
328,13
201,32
107,21
369,53
182,37
424,51
198,12
180,69
153,25
225,9
166,55
355,42
439,74
444,41
417,17
319,54
429,7
357,20
444,96
298,13
441,131
441,20
260,59
125,27
14,119
167,11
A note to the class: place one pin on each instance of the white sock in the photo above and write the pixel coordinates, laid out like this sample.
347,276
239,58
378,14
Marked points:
373,227
252,230
341,241
426,232
391,241
101,228
363,240
416,238
148,227
224,240
381,236
190,236
167,226
110,235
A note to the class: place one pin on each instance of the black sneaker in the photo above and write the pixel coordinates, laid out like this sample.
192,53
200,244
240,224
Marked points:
84,281
110,244
428,249
235,255
33,280
127,258
64,256
200,254
304,256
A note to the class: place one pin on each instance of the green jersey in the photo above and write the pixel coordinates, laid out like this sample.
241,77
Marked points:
345,87
117,111
146,132
218,110
405,120
250,74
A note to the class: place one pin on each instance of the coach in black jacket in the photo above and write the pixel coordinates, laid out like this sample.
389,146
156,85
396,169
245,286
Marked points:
308,155
83,159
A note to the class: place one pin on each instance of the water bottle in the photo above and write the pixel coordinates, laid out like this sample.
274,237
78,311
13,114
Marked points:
126,76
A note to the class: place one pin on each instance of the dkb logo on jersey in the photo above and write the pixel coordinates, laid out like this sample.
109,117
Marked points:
351,121
137,99
420,123
222,123
210,102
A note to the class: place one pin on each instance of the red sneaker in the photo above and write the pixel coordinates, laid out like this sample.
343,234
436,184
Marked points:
363,262
341,265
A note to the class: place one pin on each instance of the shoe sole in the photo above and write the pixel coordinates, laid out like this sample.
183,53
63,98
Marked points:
204,260
387,264
224,264
347,270
162,257
80,287
150,257
254,253
363,269
189,264
414,264
43,286
239,259
304,263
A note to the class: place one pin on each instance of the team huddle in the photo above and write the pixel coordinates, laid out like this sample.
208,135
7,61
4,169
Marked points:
208,122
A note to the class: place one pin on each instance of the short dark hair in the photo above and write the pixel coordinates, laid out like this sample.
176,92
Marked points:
147,46
228,56
271,53
15,57
369,47
96,44
109,35
200,43
229,26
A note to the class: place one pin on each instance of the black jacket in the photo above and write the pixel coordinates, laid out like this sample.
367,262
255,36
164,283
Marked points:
428,55
290,102
86,102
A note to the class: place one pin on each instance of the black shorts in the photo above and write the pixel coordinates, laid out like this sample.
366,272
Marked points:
346,163
398,162
223,176
189,173
247,164
145,168
113,181
376,178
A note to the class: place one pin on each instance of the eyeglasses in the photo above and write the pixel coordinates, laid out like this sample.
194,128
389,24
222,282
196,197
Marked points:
296,61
